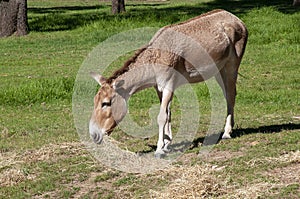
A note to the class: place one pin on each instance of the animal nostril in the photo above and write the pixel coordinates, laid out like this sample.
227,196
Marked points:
94,136
95,133
97,138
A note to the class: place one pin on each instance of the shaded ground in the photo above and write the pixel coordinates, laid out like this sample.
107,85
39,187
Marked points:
68,18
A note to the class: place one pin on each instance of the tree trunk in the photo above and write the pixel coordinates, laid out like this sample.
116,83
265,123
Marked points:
13,18
296,3
117,6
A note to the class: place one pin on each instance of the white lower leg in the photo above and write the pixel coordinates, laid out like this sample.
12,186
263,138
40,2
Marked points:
161,120
228,127
160,142
168,137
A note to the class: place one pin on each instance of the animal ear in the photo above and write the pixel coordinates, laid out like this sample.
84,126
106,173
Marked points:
118,84
99,78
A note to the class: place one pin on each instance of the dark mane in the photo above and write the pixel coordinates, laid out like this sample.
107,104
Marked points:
126,65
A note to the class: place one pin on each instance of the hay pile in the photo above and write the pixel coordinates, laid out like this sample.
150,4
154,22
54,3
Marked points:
194,182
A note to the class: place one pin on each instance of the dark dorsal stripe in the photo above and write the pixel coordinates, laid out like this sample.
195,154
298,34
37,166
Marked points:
126,65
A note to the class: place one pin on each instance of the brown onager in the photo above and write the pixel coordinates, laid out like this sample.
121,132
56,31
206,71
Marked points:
210,45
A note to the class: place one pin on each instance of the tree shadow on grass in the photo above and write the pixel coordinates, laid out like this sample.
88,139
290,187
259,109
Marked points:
63,9
235,6
243,6
71,17
59,18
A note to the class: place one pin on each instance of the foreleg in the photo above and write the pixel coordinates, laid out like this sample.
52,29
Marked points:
163,123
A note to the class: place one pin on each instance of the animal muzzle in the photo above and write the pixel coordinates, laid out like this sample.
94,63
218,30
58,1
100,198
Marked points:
95,132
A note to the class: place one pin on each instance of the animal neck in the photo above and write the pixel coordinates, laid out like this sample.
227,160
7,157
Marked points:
137,78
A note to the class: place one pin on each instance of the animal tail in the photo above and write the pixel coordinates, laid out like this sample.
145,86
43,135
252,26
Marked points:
240,44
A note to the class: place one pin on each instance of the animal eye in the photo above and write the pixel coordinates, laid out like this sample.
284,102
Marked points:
105,104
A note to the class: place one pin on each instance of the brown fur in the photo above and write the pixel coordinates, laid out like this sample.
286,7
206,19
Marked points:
240,44
210,45
200,16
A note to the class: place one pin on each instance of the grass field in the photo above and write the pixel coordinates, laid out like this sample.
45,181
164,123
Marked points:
40,152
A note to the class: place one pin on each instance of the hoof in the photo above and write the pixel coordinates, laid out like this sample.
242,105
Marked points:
226,136
159,154
166,150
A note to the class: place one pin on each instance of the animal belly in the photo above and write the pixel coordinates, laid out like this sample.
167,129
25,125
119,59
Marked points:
200,72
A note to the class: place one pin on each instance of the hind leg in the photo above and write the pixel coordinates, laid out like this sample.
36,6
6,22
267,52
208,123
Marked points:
168,130
227,80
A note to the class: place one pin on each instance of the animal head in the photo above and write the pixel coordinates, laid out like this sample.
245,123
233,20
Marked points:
110,107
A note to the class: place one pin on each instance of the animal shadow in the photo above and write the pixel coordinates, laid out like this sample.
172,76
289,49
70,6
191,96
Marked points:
215,138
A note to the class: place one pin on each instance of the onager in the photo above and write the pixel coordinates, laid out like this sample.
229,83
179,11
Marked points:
210,45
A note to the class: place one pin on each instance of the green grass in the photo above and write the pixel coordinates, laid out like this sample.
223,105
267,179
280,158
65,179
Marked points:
37,74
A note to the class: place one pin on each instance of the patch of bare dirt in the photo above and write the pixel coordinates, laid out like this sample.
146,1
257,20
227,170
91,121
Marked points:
286,175
219,156
92,186
80,189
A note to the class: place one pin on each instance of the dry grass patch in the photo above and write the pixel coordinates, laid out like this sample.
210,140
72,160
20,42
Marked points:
211,181
199,181
12,170
13,176
207,179
277,178
54,152
288,158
